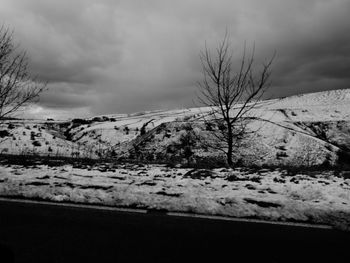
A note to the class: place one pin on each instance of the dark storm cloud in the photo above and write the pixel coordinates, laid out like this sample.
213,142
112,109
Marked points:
67,95
66,40
116,56
313,46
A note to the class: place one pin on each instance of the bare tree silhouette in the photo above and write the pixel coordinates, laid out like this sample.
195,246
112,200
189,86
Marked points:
17,86
230,94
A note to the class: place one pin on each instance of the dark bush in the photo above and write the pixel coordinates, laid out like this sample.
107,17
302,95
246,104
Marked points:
222,127
32,136
171,149
343,159
209,162
97,119
281,154
209,126
11,126
199,174
188,153
188,127
143,130
80,121
4,133
36,143
126,130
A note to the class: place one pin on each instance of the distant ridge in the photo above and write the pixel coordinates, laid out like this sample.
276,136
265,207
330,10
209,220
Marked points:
320,98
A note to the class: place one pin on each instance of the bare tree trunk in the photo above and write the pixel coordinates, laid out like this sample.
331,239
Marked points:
229,145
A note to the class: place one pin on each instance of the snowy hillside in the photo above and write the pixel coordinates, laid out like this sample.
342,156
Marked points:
309,129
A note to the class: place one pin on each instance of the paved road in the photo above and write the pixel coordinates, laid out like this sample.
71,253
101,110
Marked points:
44,232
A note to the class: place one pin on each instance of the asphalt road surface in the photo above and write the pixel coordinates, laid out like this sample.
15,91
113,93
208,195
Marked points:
44,232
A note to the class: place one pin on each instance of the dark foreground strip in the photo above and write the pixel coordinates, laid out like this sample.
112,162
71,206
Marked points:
35,231
160,213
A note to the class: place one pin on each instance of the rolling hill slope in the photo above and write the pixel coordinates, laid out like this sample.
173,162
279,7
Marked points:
303,130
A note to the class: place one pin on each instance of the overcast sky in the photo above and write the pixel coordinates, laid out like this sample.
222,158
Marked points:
111,56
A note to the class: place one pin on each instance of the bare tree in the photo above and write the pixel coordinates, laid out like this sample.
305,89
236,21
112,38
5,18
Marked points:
17,86
230,93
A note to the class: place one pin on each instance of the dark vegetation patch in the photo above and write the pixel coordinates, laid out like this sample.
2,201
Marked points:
36,143
103,169
280,155
117,177
149,183
269,190
199,174
168,194
37,183
53,161
345,174
250,187
320,129
235,178
80,186
343,159
4,133
261,203
96,187
205,163
81,121
43,177
294,180
279,180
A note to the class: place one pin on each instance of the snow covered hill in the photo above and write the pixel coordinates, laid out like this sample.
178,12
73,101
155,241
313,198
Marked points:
305,130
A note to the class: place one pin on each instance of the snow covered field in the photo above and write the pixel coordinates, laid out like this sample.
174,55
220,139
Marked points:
307,130
317,197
